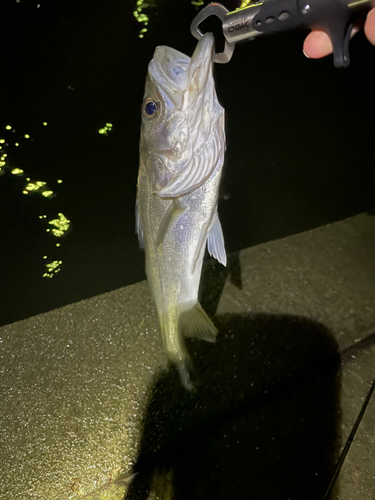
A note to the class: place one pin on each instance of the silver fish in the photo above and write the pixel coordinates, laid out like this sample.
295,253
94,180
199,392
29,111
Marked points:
181,158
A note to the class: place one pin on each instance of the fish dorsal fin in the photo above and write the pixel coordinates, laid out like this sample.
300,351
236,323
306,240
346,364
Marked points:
203,161
138,226
215,242
196,323
174,210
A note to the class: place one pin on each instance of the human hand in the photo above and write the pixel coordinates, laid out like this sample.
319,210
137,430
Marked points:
318,44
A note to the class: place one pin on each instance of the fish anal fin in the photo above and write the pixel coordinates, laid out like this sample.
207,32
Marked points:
174,210
196,323
215,242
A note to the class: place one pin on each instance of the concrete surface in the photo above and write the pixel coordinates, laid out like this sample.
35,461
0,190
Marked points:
73,387
358,373
86,394
327,274
356,479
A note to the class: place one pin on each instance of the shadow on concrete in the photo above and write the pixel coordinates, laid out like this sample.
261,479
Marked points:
263,422
213,279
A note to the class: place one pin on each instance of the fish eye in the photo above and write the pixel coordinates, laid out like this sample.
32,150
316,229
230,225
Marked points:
151,107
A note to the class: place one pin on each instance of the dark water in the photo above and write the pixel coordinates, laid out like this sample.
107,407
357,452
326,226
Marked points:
300,145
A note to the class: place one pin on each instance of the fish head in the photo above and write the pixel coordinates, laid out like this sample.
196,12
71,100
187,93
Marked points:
178,105
163,127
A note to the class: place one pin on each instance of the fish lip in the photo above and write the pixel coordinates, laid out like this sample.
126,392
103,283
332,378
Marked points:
166,65
173,69
203,51
199,78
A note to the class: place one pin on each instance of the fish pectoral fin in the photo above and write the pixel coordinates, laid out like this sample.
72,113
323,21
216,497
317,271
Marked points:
196,323
138,226
215,242
174,210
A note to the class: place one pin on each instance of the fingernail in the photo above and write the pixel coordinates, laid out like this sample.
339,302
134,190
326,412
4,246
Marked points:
304,53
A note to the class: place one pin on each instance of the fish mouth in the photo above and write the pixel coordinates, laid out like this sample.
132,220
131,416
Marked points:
174,70
169,66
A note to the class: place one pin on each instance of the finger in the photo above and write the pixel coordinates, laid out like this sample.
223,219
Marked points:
370,26
318,44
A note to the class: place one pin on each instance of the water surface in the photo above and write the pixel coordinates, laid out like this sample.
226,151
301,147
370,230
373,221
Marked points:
300,148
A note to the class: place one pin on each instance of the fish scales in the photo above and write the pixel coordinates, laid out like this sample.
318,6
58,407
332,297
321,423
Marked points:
181,158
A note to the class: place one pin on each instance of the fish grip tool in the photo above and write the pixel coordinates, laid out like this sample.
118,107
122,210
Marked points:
334,17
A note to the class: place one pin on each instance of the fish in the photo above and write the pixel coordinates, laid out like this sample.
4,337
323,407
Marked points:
181,156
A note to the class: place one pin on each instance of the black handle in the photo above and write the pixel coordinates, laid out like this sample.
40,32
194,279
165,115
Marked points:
331,16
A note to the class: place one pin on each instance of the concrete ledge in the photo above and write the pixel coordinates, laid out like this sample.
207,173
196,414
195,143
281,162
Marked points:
327,274
356,479
76,382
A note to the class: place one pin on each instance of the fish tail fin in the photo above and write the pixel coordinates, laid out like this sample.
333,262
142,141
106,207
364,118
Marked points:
185,369
196,323
191,323
175,349
181,360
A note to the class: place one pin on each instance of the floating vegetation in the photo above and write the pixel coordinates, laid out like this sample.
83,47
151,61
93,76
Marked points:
39,187
58,226
106,129
52,268
34,186
17,171
47,194
61,225
141,17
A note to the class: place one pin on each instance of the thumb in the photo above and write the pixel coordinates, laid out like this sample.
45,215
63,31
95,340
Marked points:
370,26
317,44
